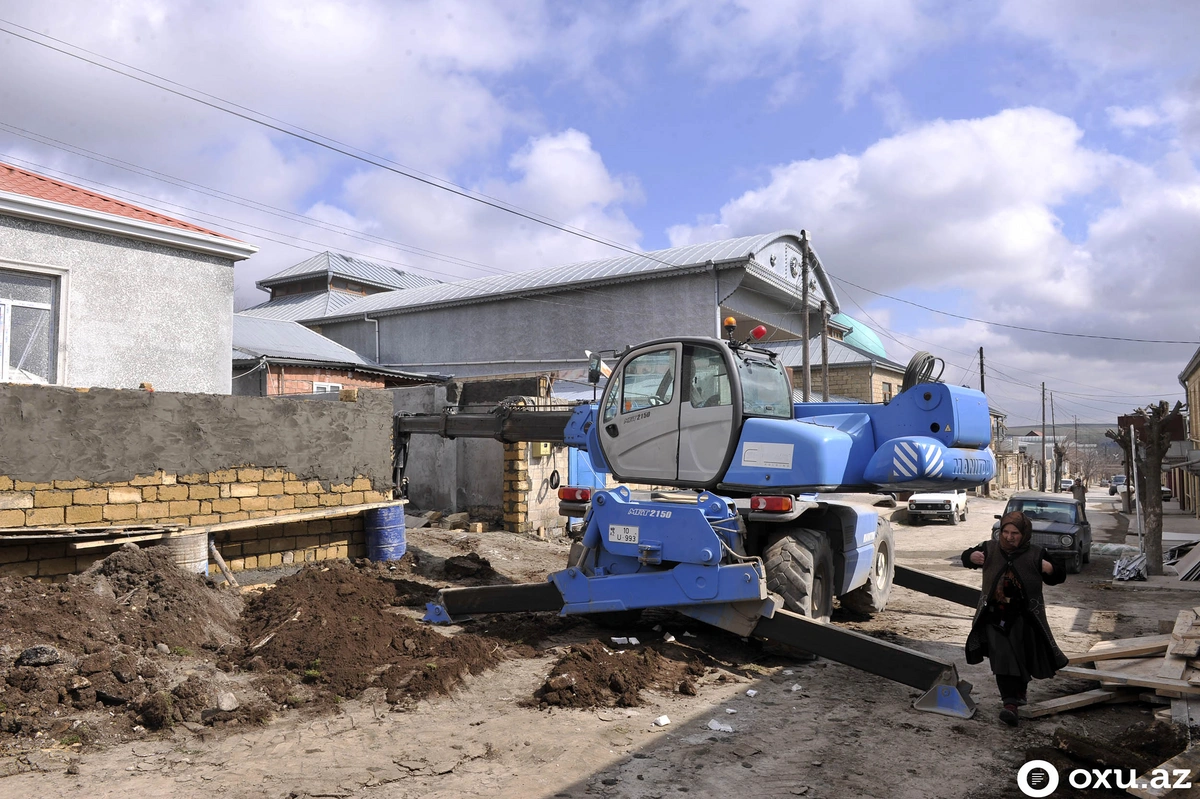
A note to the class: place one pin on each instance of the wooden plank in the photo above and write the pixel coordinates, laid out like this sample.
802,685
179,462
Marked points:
1123,649
1172,666
1187,760
1050,707
265,521
1104,646
1182,686
1188,562
76,546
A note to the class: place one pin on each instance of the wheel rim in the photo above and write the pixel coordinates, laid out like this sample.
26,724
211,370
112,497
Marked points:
881,563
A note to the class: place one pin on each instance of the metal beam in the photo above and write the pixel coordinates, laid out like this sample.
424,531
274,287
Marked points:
517,425
939,587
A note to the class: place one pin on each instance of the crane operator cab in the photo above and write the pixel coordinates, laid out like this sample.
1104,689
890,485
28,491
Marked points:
673,409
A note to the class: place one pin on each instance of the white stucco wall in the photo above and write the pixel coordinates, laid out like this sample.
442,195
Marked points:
133,311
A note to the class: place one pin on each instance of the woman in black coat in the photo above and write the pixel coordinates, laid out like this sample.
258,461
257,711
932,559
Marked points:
1010,626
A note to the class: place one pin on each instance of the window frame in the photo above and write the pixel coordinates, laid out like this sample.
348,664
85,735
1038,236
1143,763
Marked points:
322,387
61,280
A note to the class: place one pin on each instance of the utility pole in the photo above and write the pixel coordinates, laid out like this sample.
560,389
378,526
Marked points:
1075,447
1042,479
807,362
982,389
1054,447
824,351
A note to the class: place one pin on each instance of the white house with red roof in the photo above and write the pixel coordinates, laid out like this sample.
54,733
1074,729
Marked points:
95,291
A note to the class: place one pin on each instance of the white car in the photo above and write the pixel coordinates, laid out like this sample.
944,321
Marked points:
948,505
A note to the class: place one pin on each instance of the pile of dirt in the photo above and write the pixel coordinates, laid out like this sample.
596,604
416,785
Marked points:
104,641
330,626
591,675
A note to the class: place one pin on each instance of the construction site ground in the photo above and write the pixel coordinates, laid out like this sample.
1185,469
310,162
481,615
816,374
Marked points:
325,685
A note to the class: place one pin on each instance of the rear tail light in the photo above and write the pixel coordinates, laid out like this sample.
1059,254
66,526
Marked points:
771,504
574,494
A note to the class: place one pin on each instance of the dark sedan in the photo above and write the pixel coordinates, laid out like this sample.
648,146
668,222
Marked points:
1060,526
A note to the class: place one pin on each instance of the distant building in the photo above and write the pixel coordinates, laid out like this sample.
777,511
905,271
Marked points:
326,283
273,357
95,291
1185,476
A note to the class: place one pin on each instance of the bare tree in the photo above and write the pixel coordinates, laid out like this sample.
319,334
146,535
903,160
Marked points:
1149,448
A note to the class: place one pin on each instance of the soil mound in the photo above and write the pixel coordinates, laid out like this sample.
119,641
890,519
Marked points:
591,675
105,639
331,627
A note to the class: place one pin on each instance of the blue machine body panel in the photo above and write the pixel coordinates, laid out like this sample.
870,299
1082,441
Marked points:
931,436
658,554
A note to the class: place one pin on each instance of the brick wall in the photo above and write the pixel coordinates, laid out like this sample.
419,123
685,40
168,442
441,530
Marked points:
188,500
299,379
529,504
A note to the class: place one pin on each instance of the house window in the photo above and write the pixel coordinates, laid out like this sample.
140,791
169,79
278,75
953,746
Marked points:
887,391
326,388
28,327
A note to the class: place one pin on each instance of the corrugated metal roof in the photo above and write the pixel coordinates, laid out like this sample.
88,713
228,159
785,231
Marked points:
332,263
798,396
274,338
625,267
302,306
791,353
30,184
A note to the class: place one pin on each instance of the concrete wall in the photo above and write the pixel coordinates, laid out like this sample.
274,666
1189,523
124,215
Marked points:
135,311
53,433
541,333
454,475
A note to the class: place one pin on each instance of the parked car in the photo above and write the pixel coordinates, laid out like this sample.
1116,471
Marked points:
1167,493
1065,484
1115,484
948,505
1060,526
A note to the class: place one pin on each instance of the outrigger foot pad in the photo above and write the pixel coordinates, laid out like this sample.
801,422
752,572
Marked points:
948,699
435,613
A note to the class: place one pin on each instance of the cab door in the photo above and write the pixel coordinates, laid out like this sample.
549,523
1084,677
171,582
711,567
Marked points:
639,417
708,415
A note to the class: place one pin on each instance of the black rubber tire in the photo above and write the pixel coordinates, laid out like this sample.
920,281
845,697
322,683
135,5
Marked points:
1074,564
873,596
954,517
964,513
800,569
916,521
1087,552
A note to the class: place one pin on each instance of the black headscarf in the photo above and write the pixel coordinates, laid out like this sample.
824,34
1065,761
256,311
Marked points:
1022,523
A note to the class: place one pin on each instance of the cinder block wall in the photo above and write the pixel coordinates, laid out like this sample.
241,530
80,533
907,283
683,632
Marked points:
190,500
530,504
121,458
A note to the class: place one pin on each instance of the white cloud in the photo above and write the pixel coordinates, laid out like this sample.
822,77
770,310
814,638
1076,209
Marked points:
1130,119
972,207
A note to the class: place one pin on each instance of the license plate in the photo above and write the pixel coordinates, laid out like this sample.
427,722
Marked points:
622,534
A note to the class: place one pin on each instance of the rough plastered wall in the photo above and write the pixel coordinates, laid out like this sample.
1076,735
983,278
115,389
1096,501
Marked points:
113,435
134,311
129,459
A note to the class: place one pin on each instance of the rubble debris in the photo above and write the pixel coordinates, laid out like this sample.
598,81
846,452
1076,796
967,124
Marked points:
39,655
713,724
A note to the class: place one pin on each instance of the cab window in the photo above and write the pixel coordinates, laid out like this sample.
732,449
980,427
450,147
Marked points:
766,390
648,381
706,377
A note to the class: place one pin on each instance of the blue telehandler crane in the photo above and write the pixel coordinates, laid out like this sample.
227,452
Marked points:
734,526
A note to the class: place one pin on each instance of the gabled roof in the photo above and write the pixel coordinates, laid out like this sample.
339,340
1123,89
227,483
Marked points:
678,260
301,306
791,353
30,184
1190,369
329,264
27,195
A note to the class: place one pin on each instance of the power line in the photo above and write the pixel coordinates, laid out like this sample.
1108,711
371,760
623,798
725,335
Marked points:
1014,327
329,143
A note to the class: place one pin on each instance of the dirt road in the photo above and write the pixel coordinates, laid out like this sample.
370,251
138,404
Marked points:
814,729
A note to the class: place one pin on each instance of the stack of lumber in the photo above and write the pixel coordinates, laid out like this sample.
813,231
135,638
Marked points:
1158,669
1188,566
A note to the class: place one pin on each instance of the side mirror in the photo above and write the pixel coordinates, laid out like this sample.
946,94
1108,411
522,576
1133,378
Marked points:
594,368
998,516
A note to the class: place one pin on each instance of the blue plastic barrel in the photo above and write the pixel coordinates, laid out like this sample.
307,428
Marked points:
386,538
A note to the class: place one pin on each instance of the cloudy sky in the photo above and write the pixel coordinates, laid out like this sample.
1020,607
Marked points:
1030,162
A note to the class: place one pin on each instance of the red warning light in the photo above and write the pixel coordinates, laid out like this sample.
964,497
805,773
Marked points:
758,332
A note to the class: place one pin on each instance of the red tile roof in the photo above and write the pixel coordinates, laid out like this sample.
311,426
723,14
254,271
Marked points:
31,184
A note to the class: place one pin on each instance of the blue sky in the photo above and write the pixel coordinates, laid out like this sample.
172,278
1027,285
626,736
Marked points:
1028,161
